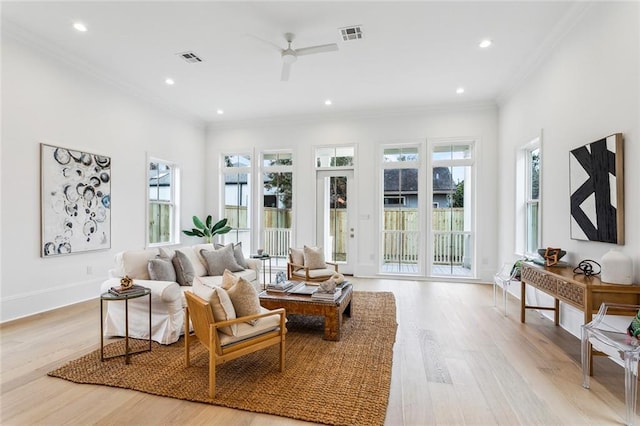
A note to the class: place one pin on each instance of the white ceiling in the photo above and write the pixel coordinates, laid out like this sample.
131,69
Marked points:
413,54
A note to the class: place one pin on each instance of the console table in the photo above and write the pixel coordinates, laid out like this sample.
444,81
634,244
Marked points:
581,292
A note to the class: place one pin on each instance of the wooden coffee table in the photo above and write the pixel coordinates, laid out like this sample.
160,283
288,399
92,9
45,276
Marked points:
303,304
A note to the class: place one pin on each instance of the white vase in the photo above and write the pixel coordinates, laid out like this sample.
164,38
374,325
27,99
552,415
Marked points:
617,268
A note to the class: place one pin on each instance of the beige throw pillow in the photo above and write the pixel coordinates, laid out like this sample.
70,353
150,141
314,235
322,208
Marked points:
228,279
297,256
220,303
245,299
314,258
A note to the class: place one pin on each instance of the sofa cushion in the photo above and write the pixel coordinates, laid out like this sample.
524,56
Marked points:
244,298
219,260
170,255
161,270
248,274
220,304
237,253
314,258
134,263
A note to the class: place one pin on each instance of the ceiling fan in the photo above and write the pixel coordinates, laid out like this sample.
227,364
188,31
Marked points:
290,55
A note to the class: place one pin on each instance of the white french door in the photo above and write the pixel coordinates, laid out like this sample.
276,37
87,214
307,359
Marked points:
335,205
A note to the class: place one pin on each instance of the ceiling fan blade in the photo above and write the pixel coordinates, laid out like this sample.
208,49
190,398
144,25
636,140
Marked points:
260,39
286,68
317,49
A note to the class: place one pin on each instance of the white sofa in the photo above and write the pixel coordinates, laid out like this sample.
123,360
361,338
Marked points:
167,297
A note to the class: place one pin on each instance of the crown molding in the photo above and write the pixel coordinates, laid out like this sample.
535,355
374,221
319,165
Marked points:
280,120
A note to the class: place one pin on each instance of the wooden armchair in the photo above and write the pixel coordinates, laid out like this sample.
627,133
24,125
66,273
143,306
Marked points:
267,331
297,271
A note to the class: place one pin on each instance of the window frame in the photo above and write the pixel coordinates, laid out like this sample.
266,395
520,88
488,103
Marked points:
523,197
233,170
173,203
278,168
392,161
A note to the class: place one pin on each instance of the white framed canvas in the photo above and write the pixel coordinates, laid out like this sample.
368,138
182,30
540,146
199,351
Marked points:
597,190
75,201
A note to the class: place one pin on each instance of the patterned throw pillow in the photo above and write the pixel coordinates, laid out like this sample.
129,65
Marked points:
245,299
314,258
220,304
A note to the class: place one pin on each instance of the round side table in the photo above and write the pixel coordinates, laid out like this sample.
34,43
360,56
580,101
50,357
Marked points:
111,297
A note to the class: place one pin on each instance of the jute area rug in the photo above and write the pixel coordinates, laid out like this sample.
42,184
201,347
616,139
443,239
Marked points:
337,383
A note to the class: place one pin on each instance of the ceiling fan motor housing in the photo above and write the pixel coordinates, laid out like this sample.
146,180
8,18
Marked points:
289,56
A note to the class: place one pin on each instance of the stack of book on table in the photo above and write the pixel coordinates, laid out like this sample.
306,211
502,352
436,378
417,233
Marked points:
281,287
119,291
321,294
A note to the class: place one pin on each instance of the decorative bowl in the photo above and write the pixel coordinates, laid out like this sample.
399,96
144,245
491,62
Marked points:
560,255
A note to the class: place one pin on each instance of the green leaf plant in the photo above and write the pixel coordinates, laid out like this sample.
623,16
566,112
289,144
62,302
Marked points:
207,229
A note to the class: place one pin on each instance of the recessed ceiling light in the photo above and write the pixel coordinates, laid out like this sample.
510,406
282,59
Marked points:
485,43
80,27
220,111
460,90
169,81
328,102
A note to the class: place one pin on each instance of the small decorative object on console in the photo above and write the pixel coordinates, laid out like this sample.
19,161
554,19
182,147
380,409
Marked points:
617,268
280,277
126,283
585,267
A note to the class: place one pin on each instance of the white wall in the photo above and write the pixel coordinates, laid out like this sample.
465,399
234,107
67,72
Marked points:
46,101
588,88
367,132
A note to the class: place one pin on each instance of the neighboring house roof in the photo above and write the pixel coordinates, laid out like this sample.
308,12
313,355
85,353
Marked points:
406,181
162,180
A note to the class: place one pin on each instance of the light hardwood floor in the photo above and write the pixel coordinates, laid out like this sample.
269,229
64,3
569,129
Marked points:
457,361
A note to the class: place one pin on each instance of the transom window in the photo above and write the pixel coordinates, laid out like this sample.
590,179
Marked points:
341,156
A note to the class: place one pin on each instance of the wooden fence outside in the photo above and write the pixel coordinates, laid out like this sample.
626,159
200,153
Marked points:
400,237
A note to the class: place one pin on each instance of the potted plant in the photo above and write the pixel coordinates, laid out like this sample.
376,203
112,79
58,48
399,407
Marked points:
207,229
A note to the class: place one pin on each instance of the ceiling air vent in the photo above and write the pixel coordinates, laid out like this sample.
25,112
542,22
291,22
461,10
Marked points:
190,57
351,33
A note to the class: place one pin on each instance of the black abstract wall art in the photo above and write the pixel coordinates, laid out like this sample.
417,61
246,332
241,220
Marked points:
597,191
76,201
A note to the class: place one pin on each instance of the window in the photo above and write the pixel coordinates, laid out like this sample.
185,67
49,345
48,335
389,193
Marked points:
532,221
401,216
341,156
236,177
162,178
528,193
277,195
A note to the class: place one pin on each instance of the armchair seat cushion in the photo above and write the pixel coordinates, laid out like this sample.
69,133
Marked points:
314,273
247,331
